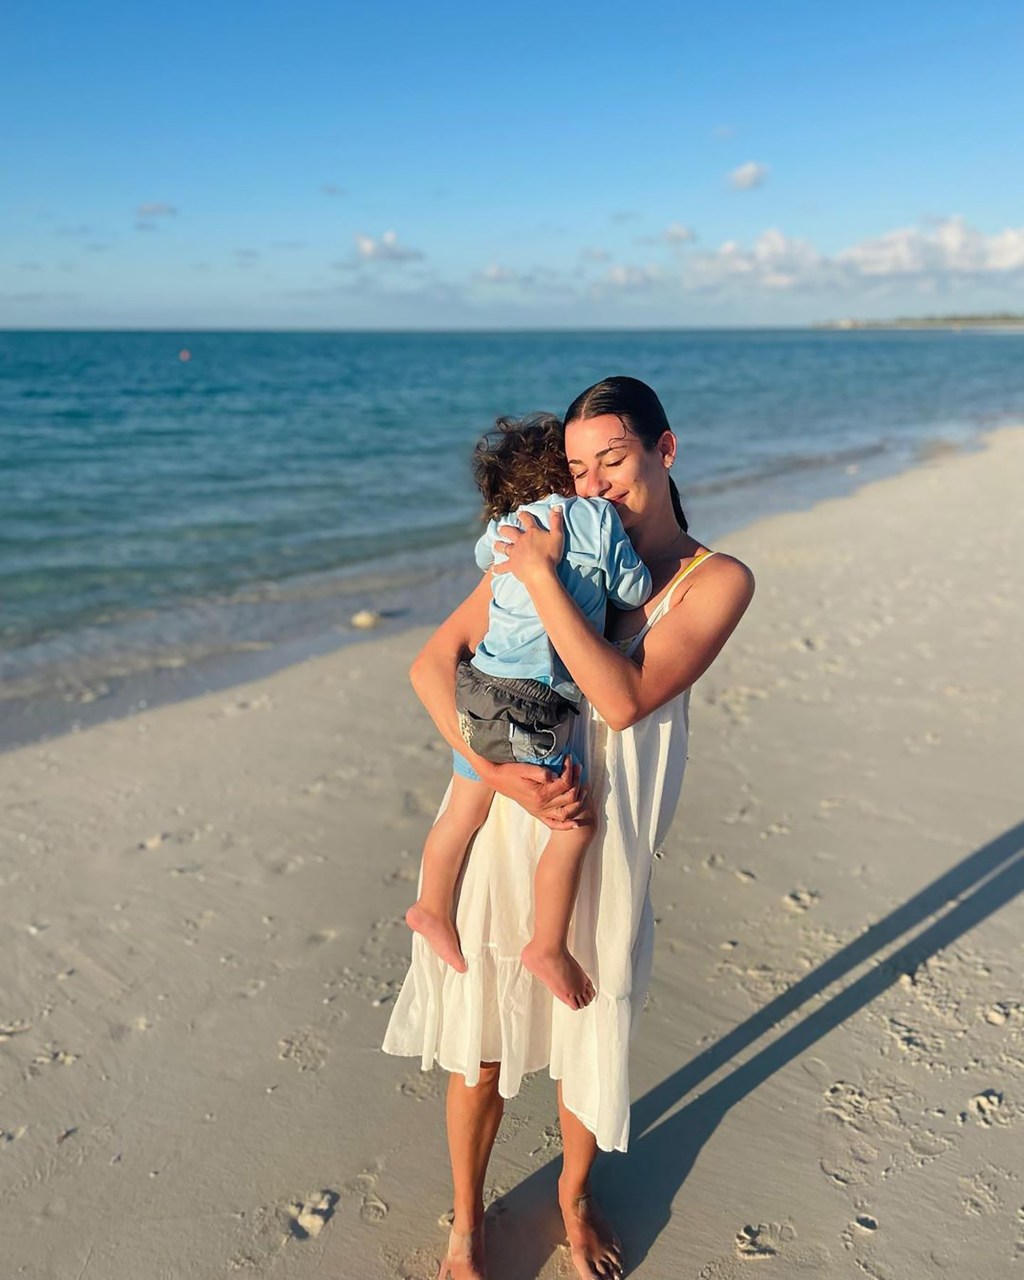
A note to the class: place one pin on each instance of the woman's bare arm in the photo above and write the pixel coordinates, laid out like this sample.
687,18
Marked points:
675,653
556,802
433,670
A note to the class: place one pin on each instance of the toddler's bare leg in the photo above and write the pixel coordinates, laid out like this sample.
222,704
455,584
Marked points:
555,885
443,855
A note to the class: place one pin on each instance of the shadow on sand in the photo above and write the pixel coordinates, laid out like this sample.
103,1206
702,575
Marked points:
638,1189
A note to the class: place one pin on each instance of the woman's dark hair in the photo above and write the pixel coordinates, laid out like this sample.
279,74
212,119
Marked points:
638,408
520,461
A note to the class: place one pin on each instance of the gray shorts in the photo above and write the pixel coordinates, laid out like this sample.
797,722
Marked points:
511,721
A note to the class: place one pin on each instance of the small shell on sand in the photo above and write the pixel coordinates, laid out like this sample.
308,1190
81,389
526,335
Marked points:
365,619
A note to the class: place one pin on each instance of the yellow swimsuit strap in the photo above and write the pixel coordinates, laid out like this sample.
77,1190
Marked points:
627,642
701,555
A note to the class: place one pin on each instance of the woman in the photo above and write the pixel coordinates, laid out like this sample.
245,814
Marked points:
491,1025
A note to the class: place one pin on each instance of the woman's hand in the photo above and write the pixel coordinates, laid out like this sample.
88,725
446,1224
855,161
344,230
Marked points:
532,551
557,801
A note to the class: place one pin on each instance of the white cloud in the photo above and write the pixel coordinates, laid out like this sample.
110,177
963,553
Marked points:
632,278
156,210
942,250
748,176
538,281
774,262
386,249
945,246
676,233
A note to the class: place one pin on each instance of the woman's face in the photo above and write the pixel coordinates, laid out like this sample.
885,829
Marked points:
607,460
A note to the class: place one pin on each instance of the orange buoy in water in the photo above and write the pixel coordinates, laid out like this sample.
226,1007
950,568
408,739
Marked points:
184,355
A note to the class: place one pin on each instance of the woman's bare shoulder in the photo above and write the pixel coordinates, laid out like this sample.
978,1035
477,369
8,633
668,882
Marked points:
722,572
716,596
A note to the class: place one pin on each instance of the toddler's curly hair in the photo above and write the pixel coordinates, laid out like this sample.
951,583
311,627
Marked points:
521,460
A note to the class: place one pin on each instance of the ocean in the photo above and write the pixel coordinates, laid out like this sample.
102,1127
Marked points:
180,510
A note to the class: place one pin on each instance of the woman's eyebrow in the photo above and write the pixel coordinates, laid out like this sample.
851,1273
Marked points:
611,449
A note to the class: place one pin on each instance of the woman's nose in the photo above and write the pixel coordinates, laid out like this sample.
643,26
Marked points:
593,486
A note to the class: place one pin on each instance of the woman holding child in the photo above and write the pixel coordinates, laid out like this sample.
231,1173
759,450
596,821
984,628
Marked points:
480,998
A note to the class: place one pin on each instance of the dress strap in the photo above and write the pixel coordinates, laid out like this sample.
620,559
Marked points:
666,601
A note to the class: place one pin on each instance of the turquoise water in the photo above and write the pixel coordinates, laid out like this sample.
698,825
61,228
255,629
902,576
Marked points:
158,509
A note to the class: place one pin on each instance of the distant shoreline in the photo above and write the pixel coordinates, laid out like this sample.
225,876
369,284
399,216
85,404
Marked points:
955,323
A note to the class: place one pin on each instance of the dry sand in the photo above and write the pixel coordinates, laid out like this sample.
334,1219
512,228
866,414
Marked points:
202,929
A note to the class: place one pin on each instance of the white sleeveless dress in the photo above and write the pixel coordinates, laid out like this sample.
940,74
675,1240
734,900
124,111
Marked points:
497,1011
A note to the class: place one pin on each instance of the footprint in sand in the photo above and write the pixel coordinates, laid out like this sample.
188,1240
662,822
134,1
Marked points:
864,1225
781,828
986,1108
303,1048
187,835
289,865
1003,1012
320,937
51,1057
550,1141
371,1207
271,1227
981,1193
862,1123
308,1217
424,1086
802,899
406,873
764,1242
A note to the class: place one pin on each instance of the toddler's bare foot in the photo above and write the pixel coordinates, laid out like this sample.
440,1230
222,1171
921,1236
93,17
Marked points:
439,932
560,973
594,1246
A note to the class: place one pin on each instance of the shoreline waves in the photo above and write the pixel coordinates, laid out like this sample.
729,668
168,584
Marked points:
86,677
166,520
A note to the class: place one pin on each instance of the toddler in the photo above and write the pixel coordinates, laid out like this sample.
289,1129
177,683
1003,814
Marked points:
516,700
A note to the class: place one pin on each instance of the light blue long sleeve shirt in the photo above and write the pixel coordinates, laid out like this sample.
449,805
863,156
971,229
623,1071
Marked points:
598,564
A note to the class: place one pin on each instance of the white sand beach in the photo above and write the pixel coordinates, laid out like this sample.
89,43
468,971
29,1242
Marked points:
202,930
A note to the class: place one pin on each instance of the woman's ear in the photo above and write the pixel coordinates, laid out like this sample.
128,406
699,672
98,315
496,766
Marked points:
667,448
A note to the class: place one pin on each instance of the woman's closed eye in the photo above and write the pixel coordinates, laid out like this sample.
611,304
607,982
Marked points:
579,475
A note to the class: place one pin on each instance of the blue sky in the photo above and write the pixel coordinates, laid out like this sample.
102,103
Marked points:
432,166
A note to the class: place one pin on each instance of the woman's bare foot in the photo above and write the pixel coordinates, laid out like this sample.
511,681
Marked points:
439,933
560,973
465,1257
595,1248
